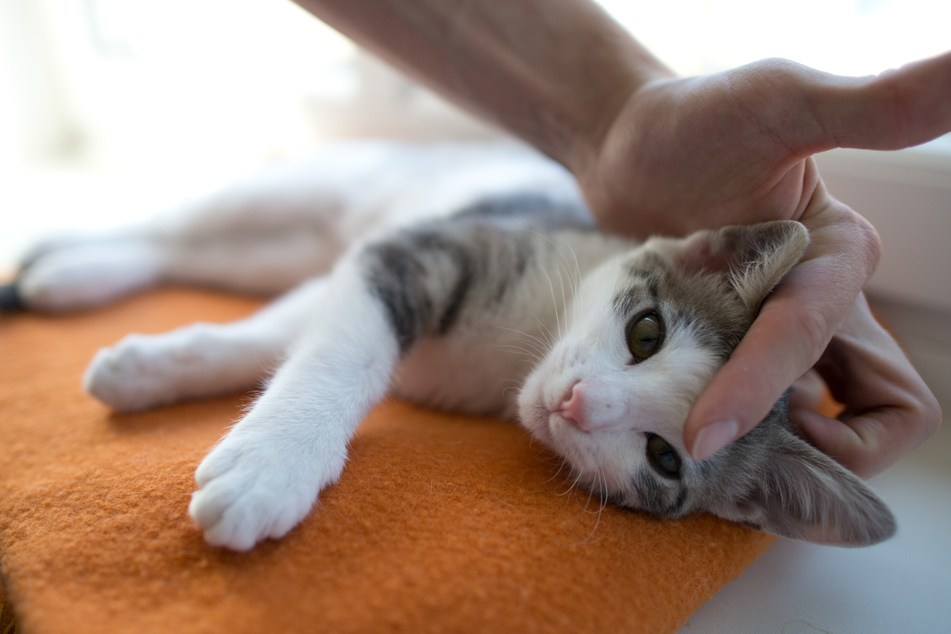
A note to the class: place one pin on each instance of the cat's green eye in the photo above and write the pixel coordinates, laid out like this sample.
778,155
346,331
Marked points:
645,334
662,456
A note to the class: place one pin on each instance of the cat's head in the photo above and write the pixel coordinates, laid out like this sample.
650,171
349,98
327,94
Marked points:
645,334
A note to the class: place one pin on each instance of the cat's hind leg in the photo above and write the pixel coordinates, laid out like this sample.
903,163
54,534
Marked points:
201,360
263,235
81,272
214,244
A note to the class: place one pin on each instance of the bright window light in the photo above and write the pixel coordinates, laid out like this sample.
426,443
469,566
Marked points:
849,37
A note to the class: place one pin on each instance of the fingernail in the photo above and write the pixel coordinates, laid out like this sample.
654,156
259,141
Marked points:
713,438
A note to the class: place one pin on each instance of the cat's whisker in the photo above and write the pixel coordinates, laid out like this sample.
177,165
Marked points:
561,466
550,339
599,479
573,484
576,280
577,265
564,481
564,300
513,384
531,353
554,301
551,285
543,345
601,495
573,267
604,490
588,501
531,347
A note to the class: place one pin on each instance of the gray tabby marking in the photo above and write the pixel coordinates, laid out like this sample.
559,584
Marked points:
474,258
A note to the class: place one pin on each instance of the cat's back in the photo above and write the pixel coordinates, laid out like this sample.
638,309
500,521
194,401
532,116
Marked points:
390,184
352,190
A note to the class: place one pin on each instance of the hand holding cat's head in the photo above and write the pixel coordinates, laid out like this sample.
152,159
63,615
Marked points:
645,333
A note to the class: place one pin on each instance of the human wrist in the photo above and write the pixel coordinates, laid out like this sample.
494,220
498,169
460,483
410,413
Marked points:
557,82
600,114
595,71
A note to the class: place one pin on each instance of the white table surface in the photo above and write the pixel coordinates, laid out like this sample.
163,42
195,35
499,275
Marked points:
902,585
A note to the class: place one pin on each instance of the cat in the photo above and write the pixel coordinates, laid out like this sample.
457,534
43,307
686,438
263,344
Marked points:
447,275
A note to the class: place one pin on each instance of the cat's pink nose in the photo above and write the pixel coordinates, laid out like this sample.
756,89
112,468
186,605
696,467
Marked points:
571,407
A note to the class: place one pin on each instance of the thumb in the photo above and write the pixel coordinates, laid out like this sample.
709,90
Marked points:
893,110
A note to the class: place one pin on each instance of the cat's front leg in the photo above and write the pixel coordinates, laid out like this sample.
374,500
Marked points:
265,475
201,360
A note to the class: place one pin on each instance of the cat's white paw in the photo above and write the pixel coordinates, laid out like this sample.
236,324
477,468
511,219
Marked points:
255,488
145,371
140,372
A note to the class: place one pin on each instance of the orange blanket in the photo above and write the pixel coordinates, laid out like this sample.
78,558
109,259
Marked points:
440,522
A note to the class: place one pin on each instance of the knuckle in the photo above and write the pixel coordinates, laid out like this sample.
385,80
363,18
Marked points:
921,416
814,328
781,71
868,241
860,238
930,415
895,114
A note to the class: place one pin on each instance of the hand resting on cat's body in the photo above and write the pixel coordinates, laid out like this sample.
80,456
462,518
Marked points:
448,275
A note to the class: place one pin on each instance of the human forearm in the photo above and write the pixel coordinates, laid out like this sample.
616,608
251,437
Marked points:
553,72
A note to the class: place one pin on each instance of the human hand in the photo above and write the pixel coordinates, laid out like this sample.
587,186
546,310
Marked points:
889,409
736,148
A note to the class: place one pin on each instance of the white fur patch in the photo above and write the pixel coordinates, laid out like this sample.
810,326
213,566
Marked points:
264,476
624,400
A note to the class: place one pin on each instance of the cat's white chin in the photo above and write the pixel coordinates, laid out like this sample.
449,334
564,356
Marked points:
583,450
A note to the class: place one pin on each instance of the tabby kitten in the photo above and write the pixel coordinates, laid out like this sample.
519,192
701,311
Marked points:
442,274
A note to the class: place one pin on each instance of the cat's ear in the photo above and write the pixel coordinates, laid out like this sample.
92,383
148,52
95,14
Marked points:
753,257
803,494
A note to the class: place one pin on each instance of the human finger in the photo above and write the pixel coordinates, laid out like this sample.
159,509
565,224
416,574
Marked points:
791,332
893,110
808,392
888,408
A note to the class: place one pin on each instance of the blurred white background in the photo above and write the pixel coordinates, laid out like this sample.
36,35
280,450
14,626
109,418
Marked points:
131,85
134,103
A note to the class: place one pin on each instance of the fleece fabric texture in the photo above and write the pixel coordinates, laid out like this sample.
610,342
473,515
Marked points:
440,523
